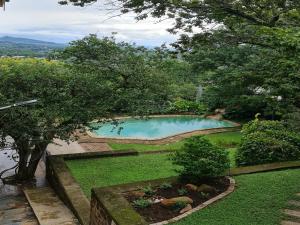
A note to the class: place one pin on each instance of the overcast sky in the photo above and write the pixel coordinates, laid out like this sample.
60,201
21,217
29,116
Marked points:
47,20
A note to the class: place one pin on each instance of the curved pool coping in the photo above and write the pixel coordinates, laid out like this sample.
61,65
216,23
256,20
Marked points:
93,138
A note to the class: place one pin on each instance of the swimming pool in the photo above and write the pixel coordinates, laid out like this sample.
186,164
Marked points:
155,127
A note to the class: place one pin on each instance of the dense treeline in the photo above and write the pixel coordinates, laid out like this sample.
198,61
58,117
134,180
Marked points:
245,59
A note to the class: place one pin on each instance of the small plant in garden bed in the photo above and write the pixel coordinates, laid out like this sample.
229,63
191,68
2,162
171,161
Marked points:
141,203
182,191
179,206
165,186
148,190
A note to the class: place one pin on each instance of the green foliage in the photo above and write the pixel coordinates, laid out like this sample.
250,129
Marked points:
97,79
185,106
204,195
141,203
267,142
179,206
199,158
182,191
165,186
132,84
292,120
148,190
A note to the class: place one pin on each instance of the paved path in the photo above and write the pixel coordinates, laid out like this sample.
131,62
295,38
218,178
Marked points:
292,213
14,209
60,147
48,208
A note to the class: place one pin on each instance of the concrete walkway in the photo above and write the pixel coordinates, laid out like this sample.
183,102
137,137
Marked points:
48,208
292,213
60,147
14,209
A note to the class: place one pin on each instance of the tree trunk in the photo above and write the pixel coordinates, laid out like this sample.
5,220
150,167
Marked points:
28,162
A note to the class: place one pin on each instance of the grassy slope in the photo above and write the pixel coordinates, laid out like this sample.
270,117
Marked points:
258,200
110,171
227,139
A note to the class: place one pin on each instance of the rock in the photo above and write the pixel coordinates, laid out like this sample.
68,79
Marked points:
186,209
191,187
138,194
172,201
157,200
206,189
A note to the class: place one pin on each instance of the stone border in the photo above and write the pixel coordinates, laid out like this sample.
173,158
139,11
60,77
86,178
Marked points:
263,168
95,138
229,190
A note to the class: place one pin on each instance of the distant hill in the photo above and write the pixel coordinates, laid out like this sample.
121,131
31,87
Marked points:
14,46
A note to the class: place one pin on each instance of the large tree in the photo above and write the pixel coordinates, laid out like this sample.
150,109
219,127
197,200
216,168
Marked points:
247,52
95,79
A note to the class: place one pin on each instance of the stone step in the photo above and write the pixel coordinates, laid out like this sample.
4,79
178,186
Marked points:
48,208
294,203
292,213
286,222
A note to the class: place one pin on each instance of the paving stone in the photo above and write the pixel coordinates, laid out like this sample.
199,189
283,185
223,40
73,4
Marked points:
14,210
294,202
285,222
48,208
293,213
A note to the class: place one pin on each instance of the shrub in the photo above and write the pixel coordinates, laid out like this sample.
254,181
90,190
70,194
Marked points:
141,203
267,142
186,106
292,120
182,191
165,186
148,190
199,158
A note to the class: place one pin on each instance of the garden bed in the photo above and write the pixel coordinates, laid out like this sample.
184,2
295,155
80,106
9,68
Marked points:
169,200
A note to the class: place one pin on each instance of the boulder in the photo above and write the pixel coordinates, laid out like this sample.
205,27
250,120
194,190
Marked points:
172,201
206,189
186,209
191,187
138,194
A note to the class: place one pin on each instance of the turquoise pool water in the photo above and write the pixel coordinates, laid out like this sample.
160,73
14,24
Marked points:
156,127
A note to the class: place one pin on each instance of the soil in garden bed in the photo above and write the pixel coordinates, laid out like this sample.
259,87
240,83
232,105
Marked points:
156,212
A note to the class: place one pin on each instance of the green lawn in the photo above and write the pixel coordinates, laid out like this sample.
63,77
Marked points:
119,170
226,139
258,200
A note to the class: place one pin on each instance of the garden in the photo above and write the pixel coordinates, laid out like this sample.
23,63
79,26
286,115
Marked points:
200,163
202,131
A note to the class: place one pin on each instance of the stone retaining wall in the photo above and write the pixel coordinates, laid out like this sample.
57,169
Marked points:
66,187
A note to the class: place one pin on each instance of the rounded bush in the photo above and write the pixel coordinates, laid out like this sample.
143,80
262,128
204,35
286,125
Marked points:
267,142
199,158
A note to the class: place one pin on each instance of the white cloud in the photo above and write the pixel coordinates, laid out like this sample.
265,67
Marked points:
47,20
